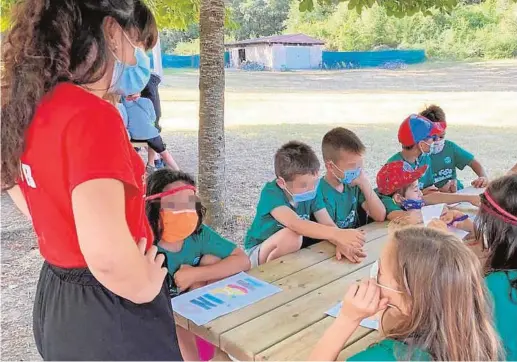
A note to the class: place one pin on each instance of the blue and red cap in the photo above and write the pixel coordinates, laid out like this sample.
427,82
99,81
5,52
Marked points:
417,128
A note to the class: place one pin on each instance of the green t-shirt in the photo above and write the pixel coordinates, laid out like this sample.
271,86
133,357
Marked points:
505,309
390,350
264,225
446,162
342,206
205,242
388,203
427,178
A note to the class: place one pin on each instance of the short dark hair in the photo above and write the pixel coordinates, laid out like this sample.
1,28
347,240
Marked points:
156,183
295,158
434,113
340,139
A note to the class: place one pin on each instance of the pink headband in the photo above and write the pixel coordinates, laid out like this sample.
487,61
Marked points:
170,192
505,215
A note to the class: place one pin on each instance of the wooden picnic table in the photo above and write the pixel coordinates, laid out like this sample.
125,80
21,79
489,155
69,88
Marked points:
287,325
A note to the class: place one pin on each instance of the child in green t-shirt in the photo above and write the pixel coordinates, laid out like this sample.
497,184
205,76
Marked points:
496,230
417,136
195,254
345,187
447,156
428,294
285,207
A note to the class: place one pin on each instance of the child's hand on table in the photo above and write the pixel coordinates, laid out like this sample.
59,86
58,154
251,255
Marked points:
361,301
450,215
480,182
351,254
347,238
450,187
437,224
185,277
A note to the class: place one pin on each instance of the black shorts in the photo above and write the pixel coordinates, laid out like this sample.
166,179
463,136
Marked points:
76,318
156,144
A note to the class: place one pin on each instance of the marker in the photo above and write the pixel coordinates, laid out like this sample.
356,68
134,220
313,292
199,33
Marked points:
461,218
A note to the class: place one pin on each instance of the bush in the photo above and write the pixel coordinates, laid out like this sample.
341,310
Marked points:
187,48
486,30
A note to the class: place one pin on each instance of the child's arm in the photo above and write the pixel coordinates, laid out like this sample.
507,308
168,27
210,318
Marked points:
361,301
234,263
412,217
346,238
441,197
353,254
482,180
372,203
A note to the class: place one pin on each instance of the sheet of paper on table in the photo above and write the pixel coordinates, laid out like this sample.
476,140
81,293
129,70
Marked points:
431,212
371,323
225,296
458,232
471,191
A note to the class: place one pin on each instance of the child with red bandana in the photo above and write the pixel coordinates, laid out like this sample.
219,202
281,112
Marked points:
195,254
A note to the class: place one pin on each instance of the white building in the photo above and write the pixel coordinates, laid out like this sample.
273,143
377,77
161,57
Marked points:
295,51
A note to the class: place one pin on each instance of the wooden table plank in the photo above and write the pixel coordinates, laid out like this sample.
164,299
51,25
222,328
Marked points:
359,346
299,346
287,265
257,335
293,286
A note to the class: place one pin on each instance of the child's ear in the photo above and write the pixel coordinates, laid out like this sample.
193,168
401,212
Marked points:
280,182
397,198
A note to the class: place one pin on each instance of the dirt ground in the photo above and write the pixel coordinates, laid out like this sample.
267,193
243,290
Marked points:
479,99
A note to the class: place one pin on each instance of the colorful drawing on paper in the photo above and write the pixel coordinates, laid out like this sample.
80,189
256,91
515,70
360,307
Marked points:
212,301
371,322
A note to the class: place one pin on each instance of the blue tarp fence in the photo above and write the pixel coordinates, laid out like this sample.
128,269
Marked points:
330,60
339,60
184,61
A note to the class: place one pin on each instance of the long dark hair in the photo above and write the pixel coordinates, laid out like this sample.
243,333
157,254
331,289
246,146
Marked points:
501,235
51,41
156,183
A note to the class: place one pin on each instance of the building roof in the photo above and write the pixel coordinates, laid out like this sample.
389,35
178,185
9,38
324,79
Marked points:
289,39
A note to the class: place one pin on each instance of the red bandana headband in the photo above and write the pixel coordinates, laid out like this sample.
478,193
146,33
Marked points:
499,211
170,192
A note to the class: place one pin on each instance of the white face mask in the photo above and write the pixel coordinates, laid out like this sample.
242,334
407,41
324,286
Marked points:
374,274
438,146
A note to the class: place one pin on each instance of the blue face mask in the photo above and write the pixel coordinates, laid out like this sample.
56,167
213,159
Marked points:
131,79
409,204
304,196
349,175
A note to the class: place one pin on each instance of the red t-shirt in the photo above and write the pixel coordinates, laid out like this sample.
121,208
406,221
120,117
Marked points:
75,137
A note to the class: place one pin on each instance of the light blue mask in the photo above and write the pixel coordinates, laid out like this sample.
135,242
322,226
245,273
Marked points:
131,79
304,196
349,175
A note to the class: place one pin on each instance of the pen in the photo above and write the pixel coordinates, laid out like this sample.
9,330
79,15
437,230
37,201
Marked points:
461,218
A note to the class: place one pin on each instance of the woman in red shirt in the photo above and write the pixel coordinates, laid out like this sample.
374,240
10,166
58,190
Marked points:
101,292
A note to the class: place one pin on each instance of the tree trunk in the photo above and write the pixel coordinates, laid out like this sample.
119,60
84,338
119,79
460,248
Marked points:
211,111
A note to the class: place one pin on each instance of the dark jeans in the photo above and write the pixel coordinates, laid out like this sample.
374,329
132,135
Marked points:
76,318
